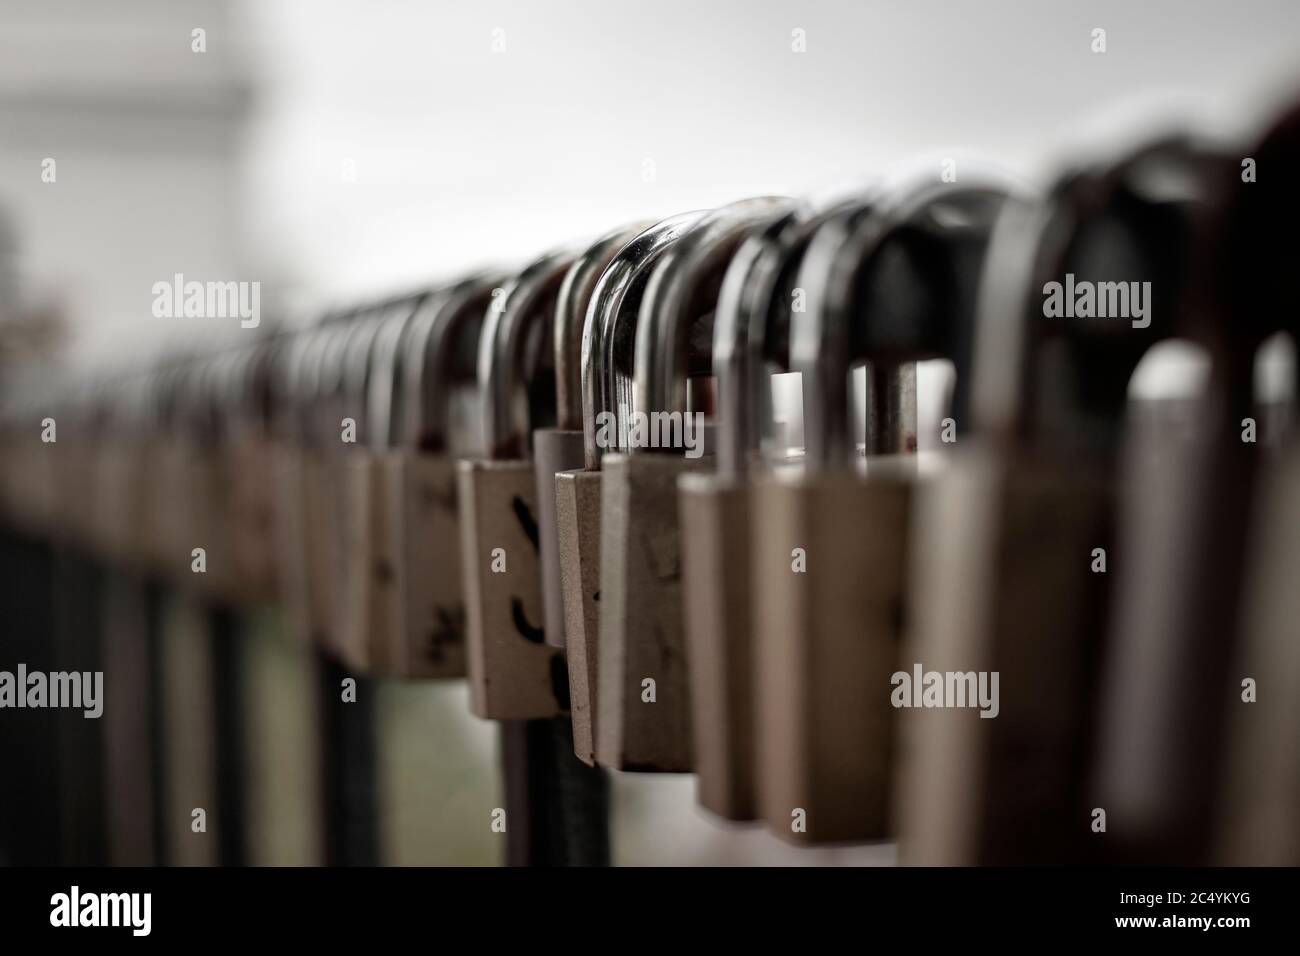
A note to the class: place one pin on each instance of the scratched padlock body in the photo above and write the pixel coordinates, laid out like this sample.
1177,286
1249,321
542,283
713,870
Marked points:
578,492
514,675
643,637
561,448
437,368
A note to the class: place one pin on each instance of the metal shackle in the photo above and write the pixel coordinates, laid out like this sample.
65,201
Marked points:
516,358
1065,378
576,292
902,287
825,394
674,324
1249,260
385,382
751,333
607,336
439,354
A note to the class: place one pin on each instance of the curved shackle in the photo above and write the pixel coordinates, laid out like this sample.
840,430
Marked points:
384,387
1252,251
570,319
358,357
516,357
439,354
1051,360
327,376
607,342
806,271
189,395
741,339
675,321
893,287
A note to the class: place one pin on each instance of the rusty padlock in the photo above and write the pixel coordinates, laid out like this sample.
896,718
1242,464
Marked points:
644,692
1012,598
514,675
578,492
430,424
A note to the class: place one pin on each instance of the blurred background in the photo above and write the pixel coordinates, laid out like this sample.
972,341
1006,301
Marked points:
336,150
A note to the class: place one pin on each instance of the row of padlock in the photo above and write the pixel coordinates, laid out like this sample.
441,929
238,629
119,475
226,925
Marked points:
494,479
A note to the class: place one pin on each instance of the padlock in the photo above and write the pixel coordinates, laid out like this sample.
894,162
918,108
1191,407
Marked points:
211,571
428,424
1011,598
751,338
120,485
644,693
513,674
560,448
1248,757
189,549
292,388
324,467
578,492
382,603
716,536
891,282
1257,821
359,610
252,498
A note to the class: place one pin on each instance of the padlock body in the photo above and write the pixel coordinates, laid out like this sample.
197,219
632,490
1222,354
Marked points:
577,512
716,549
290,536
554,450
644,694
1259,790
362,579
1004,584
830,555
250,499
513,673
421,547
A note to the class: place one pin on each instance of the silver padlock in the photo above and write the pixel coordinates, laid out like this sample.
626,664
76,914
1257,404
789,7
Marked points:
578,492
513,673
1013,591
560,448
644,692
716,534
892,284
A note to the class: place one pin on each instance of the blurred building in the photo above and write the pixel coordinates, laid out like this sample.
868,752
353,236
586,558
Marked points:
120,161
